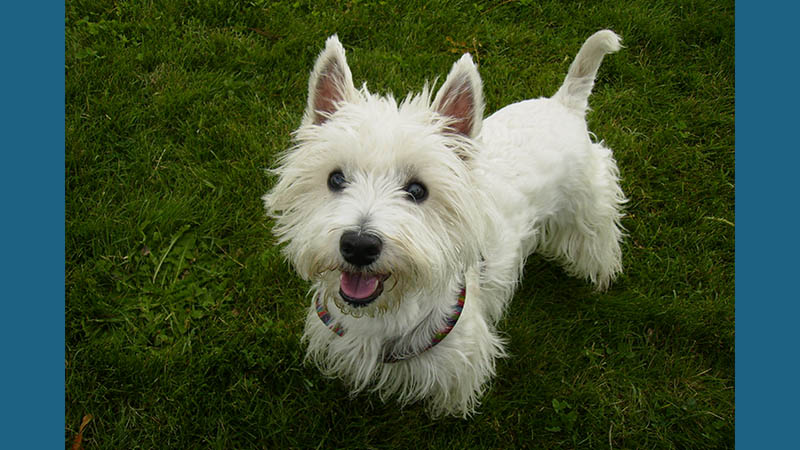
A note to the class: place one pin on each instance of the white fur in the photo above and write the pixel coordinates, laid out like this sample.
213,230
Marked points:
526,179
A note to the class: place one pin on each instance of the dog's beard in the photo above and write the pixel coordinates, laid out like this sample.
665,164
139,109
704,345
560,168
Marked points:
400,274
399,283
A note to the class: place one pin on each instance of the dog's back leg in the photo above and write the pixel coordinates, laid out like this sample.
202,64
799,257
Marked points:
585,235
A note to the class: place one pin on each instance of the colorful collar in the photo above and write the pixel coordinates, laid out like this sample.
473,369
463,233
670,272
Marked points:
389,354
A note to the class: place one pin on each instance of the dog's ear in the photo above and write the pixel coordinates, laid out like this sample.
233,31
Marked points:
461,98
331,83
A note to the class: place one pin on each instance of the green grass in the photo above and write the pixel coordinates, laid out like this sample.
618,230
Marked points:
183,321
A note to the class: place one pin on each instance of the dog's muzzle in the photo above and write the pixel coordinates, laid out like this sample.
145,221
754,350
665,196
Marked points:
360,250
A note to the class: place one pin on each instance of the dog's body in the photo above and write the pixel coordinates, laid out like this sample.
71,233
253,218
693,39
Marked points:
429,200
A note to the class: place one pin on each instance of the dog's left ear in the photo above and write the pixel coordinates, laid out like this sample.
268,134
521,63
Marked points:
330,84
461,98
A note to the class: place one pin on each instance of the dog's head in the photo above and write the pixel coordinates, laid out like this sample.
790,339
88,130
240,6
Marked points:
376,200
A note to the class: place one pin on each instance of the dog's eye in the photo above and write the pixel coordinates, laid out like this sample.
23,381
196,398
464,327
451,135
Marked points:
336,181
417,191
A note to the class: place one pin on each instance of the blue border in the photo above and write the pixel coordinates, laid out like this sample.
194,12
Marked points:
32,126
767,176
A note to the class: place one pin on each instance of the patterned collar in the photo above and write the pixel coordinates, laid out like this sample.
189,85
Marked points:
389,353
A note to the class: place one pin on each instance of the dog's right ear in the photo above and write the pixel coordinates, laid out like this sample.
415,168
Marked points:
331,83
461,98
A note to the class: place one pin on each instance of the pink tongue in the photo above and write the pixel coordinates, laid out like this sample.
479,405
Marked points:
358,285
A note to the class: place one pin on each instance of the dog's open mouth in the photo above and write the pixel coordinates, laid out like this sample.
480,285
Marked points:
361,289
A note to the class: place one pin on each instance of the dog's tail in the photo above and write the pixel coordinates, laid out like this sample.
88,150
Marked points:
574,93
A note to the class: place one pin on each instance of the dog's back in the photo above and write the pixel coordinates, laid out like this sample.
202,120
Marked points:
560,191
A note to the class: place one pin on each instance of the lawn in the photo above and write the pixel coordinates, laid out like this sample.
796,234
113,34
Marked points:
183,321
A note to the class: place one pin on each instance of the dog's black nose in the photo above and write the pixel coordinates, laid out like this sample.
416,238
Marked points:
360,249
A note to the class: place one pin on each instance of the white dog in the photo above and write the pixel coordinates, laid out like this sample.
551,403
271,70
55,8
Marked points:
413,221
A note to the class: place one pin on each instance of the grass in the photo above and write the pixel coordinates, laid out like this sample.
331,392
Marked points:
183,321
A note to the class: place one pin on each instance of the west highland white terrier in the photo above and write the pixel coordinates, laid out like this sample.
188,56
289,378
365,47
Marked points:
413,221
